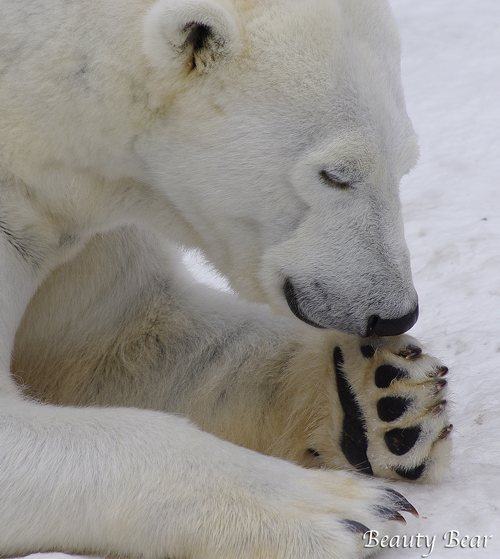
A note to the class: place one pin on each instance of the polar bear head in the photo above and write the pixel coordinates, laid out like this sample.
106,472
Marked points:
281,142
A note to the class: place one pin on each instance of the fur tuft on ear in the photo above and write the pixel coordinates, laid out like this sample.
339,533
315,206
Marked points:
181,36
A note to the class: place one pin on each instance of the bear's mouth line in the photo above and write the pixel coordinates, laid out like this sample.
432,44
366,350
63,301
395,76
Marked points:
293,303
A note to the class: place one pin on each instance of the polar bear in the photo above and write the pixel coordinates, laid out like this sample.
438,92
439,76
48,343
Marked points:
142,414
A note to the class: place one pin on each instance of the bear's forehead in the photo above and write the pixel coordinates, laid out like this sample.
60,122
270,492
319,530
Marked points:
329,59
328,45
319,25
317,69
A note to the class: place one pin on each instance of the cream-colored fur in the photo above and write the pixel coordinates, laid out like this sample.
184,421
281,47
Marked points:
271,135
154,339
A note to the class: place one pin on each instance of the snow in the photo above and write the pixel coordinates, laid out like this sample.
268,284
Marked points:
451,73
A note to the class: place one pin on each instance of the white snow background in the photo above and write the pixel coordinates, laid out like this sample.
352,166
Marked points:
451,200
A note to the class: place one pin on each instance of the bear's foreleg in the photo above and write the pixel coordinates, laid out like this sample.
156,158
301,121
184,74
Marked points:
138,483
133,330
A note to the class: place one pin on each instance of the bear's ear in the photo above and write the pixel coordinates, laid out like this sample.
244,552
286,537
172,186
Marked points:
181,36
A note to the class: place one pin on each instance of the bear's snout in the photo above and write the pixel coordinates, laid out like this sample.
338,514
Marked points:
318,307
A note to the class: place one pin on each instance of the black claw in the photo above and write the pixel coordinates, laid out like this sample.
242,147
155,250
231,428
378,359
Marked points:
367,351
439,408
389,514
353,442
401,441
439,386
410,352
439,371
355,527
400,503
385,374
445,433
391,408
412,474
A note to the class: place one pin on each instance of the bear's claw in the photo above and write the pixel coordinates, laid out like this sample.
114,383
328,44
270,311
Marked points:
400,503
355,527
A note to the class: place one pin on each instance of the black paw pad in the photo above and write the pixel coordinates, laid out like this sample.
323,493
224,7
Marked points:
401,441
385,374
368,351
353,442
391,408
412,474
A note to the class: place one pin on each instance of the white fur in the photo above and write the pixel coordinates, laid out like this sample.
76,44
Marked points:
109,119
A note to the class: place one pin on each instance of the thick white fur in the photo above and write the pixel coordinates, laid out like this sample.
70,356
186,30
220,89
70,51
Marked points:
111,125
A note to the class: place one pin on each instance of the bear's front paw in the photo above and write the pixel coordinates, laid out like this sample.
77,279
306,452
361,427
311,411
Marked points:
394,401
392,420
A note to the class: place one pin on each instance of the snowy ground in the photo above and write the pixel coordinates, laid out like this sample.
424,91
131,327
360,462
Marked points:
451,72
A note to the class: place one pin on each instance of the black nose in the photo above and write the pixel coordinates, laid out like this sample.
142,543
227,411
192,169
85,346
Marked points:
391,326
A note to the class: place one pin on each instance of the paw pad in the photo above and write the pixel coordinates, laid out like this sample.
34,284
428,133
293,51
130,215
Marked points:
367,351
391,408
385,374
401,441
353,442
411,474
